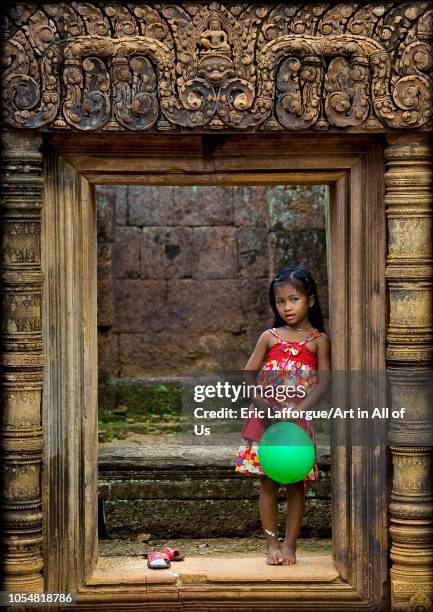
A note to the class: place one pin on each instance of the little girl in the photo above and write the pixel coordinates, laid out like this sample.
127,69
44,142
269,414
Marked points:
296,352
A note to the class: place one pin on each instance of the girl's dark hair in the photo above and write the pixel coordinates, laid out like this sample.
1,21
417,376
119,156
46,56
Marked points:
301,279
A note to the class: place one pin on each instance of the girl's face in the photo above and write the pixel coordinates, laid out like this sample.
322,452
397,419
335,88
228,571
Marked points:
293,305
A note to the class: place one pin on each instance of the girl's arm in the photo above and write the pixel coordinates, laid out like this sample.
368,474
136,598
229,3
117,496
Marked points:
259,353
254,363
323,374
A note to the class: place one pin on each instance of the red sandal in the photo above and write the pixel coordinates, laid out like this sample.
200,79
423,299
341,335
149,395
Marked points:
173,553
161,559
157,559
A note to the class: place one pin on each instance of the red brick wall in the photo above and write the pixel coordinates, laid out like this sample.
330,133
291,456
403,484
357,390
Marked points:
183,272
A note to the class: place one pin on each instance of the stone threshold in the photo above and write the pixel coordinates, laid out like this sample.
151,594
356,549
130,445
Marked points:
198,570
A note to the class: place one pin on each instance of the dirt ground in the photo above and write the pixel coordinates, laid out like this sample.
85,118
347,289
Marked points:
224,547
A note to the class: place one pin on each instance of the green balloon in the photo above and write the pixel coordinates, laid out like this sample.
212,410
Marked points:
286,452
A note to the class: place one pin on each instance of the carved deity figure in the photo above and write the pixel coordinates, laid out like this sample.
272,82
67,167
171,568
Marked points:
214,39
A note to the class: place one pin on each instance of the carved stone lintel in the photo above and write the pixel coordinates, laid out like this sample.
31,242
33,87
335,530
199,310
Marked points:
216,66
21,359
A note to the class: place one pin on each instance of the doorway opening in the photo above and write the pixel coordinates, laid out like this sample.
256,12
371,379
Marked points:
183,279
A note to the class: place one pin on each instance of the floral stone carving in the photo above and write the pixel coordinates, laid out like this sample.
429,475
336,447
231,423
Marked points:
216,66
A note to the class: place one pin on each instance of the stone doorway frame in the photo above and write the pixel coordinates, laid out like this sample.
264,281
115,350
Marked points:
141,71
353,165
73,166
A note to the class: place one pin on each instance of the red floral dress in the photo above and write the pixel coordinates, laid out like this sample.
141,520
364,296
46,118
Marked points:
287,363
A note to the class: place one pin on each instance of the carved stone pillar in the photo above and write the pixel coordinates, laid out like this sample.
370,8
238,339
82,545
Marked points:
21,360
408,199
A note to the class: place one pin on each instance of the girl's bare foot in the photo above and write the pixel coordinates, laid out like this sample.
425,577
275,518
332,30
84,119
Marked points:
288,550
275,556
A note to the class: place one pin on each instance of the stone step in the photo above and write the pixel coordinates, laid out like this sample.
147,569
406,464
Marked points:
193,491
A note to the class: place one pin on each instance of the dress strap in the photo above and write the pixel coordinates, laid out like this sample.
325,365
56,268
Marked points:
275,333
312,336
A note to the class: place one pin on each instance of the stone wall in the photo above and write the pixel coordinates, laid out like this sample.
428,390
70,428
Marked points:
183,272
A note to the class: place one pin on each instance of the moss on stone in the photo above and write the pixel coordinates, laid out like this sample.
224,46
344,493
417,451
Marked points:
141,398
150,408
